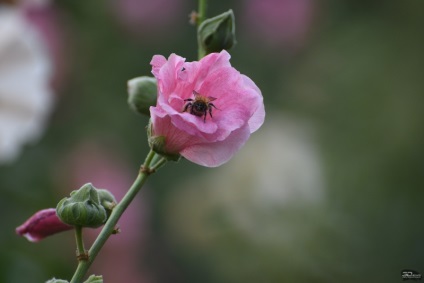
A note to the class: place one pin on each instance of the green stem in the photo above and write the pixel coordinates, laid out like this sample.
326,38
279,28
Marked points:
155,159
201,16
202,12
80,242
149,158
158,164
117,212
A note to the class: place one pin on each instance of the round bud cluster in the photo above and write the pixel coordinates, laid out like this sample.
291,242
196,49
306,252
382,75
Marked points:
85,207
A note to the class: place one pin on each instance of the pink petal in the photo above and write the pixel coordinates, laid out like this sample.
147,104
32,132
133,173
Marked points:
42,224
176,139
167,77
217,153
216,61
258,117
194,125
157,62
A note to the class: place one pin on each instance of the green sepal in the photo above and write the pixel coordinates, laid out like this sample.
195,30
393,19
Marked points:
107,200
142,93
82,208
94,279
217,33
158,143
54,280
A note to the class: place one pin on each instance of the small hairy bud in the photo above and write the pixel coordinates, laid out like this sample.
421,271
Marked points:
142,93
217,33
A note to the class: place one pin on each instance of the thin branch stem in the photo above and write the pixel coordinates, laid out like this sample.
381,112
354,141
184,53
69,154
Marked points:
202,11
117,212
155,159
158,164
149,158
80,243
201,16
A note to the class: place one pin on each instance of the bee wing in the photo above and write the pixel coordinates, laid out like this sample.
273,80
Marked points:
195,93
211,98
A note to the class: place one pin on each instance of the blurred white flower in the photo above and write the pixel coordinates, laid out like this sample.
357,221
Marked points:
25,94
279,169
256,214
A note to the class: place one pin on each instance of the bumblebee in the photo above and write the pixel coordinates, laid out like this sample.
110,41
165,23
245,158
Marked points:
200,105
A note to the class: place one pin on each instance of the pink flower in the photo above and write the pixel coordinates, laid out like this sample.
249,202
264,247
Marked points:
204,132
42,224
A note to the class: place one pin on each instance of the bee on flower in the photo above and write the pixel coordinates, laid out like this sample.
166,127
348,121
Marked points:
200,105
215,141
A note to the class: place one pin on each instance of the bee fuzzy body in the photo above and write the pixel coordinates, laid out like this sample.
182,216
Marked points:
200,105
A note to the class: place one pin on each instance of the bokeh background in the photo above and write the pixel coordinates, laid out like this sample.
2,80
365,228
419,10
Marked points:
330,189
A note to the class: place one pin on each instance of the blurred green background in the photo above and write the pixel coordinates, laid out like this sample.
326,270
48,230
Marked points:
329,190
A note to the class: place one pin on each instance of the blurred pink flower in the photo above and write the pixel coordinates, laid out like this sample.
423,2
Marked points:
279,22
45,18
42,224
148,17
205,140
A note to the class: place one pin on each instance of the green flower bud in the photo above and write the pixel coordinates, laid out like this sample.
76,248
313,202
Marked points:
158,145
142,93
217,33
82,208
94,279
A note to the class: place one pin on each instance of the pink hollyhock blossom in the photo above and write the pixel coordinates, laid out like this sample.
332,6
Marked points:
42,224
208,136
46,19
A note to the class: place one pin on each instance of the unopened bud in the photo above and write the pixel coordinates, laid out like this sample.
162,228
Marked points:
217,33
82,208
142,93
42,224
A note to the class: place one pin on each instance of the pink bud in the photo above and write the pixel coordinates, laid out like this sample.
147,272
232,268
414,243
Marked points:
42,224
